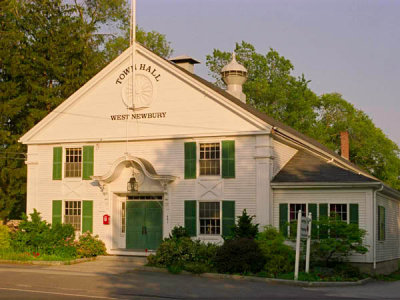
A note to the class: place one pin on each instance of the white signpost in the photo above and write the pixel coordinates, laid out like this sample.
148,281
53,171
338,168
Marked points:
303,232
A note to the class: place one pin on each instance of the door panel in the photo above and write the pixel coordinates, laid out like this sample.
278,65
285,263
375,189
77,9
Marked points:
135,213
153,224
143,224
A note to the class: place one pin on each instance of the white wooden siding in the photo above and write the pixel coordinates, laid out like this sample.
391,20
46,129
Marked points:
282,154
330,196
167,157
390,247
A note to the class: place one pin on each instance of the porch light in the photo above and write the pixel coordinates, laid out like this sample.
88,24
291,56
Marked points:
132,185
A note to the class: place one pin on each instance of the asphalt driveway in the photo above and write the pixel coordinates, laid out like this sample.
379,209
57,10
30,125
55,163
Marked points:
114,279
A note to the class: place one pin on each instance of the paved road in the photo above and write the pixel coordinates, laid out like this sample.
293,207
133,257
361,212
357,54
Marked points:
114,280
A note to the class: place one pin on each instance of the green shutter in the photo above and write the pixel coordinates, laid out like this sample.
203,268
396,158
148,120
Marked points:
87,216
190,160
88,158
283,218
57,163
57,212
228,217
312,208
323,214
381,223
354,213
190,217
228,159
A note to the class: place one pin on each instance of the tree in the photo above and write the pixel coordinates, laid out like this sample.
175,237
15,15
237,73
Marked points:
244,227
271,88
370,148
48,50
339,241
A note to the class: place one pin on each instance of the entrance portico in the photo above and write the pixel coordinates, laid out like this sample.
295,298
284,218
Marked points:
139,218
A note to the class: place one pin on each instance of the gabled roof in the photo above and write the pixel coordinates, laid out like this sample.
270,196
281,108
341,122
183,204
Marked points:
307,168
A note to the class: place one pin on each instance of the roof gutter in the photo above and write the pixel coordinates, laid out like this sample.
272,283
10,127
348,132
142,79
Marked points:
374,225
305,185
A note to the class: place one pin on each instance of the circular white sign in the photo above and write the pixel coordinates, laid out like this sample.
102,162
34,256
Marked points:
141,96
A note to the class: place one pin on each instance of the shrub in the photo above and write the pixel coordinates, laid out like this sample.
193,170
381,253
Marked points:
178,232
4,237
239,256
343,240
196,267
183,251
279,257
37,236
244,227
90,246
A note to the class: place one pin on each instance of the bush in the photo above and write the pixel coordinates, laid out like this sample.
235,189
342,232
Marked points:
343,240
183,251
178,232
196,267
244,227
37,236
239,256
4,237
90,246
279,257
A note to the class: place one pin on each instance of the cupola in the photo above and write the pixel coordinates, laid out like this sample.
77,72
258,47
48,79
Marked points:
234,75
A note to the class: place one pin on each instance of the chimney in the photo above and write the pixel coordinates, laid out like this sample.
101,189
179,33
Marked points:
234,75
344,144
185,62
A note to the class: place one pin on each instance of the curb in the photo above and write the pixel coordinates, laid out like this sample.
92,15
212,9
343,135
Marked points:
46,262
261,279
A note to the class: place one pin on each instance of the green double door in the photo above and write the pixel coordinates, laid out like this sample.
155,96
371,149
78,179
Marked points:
143,224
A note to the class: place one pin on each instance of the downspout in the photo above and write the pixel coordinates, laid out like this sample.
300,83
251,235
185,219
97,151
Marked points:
374,225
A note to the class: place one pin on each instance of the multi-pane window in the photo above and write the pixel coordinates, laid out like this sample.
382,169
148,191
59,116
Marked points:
294,209
210,159
210,220
293,214
73,214
123,217
339,211
73,162
381,223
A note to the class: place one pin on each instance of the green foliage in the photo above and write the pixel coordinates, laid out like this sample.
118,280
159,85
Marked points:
271,88
178,232
90,246
244,228
279,257
37,236
4,237
48,50
174,269
239,256
343,240
184,252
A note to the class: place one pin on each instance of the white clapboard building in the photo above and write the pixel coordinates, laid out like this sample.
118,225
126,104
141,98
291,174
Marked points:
131,161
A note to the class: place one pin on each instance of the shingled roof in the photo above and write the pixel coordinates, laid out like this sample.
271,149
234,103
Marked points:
305,167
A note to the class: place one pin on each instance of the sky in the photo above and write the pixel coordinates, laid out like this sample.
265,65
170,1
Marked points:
345,46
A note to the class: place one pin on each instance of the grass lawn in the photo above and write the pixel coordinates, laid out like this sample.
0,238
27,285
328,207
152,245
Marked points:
6,254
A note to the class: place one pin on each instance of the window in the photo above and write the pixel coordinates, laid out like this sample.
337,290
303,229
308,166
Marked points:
339,210
73,214
381,223
123,217
210,159
294,209
73,162
210,220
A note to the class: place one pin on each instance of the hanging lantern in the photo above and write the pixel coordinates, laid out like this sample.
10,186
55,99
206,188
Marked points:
133,185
